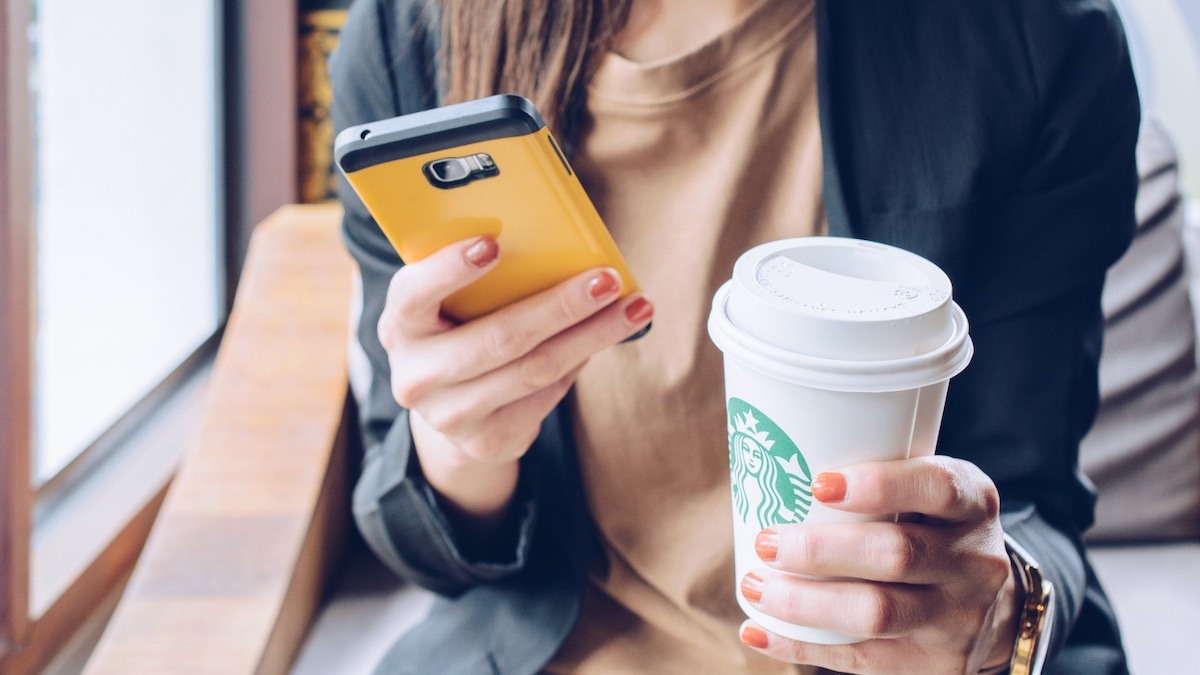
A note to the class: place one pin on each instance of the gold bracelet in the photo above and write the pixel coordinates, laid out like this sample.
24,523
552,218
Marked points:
1037,613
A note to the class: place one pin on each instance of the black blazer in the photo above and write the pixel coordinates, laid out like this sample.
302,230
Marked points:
994,138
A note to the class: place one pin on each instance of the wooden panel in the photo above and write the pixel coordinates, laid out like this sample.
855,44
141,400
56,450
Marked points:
317,562
16,331
231,573
269,47
260,117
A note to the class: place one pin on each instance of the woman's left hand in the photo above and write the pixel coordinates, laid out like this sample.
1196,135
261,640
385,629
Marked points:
933,594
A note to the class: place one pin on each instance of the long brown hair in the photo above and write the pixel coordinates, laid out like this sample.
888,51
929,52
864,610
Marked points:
542,49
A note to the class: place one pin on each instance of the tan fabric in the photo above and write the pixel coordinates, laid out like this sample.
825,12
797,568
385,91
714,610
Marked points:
690,161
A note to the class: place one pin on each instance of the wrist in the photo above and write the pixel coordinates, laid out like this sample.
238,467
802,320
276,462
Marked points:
1035,615
1005,624
477,495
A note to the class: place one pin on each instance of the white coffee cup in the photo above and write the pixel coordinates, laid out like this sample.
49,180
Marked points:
837,351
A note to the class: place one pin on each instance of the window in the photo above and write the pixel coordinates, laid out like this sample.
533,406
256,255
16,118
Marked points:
126,208
113,285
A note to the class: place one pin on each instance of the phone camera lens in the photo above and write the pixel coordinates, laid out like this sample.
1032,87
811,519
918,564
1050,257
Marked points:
449,170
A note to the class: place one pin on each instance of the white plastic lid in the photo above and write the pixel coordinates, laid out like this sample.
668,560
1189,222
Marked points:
842,314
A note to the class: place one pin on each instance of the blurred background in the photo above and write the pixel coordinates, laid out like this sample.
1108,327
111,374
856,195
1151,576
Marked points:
142,142
1164,39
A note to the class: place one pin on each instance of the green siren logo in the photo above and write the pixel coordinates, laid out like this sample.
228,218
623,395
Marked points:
771,480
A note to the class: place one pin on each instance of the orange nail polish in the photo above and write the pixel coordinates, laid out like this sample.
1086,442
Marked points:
754,637
752,587
829,487
639,311
766,544
603,286
482,252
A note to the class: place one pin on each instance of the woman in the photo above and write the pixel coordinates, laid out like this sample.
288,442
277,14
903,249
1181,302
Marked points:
571,493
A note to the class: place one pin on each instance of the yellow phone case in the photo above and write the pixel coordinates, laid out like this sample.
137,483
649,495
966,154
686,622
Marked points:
529,199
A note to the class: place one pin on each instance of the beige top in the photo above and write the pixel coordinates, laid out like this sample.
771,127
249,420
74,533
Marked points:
691,161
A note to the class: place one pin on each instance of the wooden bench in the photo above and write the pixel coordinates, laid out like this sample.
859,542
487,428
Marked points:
253,523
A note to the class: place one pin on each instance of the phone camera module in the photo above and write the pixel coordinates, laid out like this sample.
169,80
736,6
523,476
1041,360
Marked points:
449,171
452,172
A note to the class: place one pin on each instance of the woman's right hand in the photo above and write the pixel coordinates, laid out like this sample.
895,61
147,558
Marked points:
478,392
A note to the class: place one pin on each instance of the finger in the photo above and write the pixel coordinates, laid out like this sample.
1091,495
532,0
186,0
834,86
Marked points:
415,294
907,553
866,658
498,340
511,333
454,408
856,608
851,658
941,488
511,434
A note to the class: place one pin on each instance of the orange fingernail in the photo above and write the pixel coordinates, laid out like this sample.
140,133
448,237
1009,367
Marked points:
603,286
766,544
639,311
752,587
753,636
482,252
829,487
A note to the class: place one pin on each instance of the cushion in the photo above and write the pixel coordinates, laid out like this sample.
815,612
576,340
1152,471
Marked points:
1144,451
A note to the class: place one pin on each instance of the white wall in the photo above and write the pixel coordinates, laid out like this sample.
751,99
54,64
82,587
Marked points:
1165,39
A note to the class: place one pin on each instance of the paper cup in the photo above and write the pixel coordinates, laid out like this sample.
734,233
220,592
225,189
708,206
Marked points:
836,351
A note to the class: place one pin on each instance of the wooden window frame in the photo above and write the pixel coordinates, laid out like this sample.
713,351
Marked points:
259,135
16,340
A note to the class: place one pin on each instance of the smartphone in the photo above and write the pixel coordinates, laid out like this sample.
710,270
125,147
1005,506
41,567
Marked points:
484,167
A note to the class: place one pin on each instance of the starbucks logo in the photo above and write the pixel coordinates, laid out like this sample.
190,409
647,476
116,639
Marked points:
771,480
